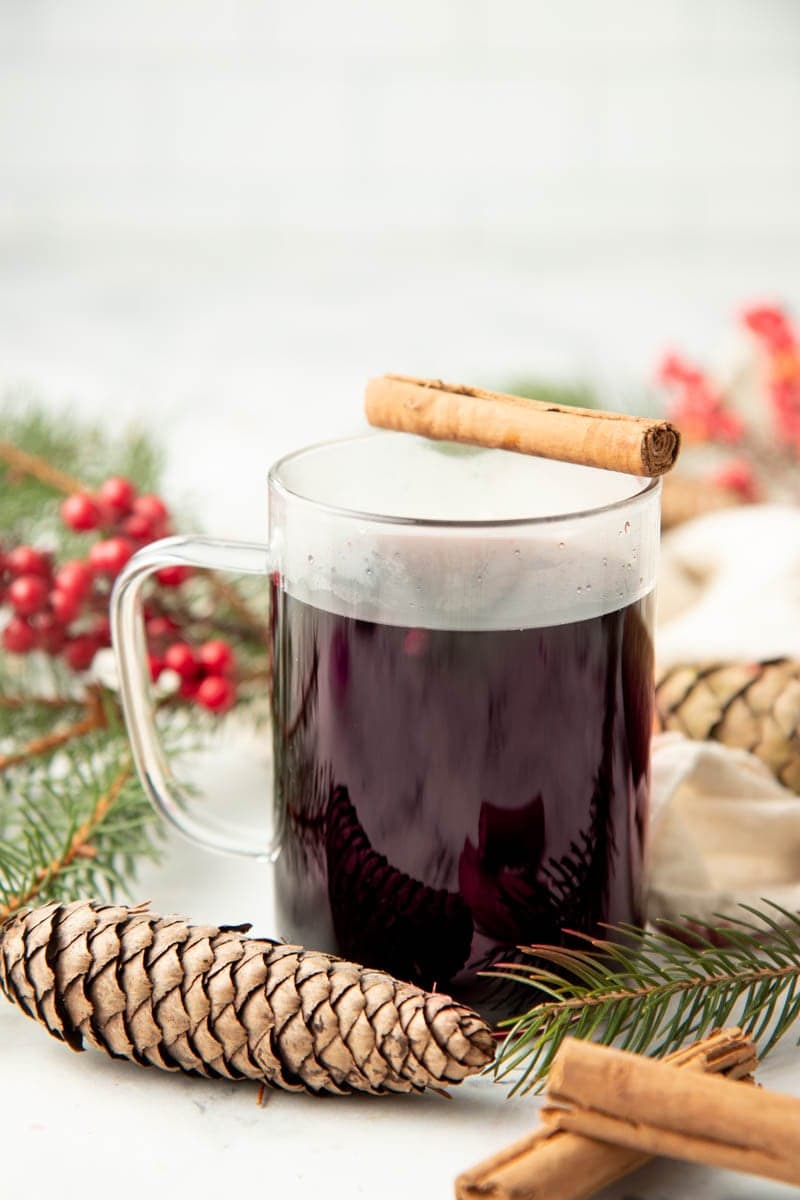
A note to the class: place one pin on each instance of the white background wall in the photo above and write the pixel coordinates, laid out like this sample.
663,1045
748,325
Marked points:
221,215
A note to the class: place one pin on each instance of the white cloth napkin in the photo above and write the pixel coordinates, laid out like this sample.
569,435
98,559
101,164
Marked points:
723,830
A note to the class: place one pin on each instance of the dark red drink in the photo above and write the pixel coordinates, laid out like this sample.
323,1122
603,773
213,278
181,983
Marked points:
446,795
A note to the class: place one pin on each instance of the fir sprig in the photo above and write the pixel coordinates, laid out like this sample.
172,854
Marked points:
74,819
75,822
651,991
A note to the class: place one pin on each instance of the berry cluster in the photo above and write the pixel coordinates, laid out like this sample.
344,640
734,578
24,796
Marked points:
781,344
696,405
53,608
62,609
128,522
204,671
737,475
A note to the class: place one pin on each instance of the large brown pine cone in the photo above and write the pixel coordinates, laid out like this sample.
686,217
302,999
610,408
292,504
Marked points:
753,706
213,1002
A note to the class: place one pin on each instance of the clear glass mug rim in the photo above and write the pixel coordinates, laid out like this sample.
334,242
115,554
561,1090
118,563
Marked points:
279,485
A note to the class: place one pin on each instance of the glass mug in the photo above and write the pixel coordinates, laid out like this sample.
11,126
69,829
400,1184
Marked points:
461,691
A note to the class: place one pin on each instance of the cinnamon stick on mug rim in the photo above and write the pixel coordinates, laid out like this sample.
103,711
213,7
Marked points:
629,1100
456,413
554,1164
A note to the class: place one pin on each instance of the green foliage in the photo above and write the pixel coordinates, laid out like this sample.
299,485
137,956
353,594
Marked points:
580,394
48,800
650,992
574,394
85,450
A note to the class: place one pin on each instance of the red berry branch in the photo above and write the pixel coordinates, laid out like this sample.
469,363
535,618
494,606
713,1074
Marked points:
696,405
780,344
63,609
710,419
60,608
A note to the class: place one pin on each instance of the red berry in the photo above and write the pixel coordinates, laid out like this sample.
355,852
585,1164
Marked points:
173,576
109,557
138,527
24,560
64,606
101,630
27,594
79,651
156,665
216,693
153,510
81,512
74,578
180,658
216,657
50,633
118,493
18,637
160,627
738,476
188,688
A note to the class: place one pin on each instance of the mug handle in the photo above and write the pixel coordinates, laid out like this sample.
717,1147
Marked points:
130,649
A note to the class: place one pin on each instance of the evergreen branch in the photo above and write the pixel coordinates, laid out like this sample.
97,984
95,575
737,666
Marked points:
79,846
20,462
650,991
94,718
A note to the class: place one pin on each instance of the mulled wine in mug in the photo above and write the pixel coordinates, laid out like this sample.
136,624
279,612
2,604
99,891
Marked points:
461,692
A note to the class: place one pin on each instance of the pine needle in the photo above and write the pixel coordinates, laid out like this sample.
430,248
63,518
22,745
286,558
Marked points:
651,991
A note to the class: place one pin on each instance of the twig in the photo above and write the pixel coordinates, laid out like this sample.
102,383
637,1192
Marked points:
79,845
40,701
228,595
39,468
94,718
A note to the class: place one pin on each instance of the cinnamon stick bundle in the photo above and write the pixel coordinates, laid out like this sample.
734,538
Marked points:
553,1164
452,412
642,1104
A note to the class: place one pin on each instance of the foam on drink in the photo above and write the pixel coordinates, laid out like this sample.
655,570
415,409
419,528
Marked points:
510,559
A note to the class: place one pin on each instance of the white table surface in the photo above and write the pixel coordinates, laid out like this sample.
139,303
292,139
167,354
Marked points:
83,1125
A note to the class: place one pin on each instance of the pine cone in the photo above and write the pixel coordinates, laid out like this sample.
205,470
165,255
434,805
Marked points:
753,706
210,1001
683,498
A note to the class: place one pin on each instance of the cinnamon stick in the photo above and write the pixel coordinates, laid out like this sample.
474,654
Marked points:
553,1164
452,412
640,1103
